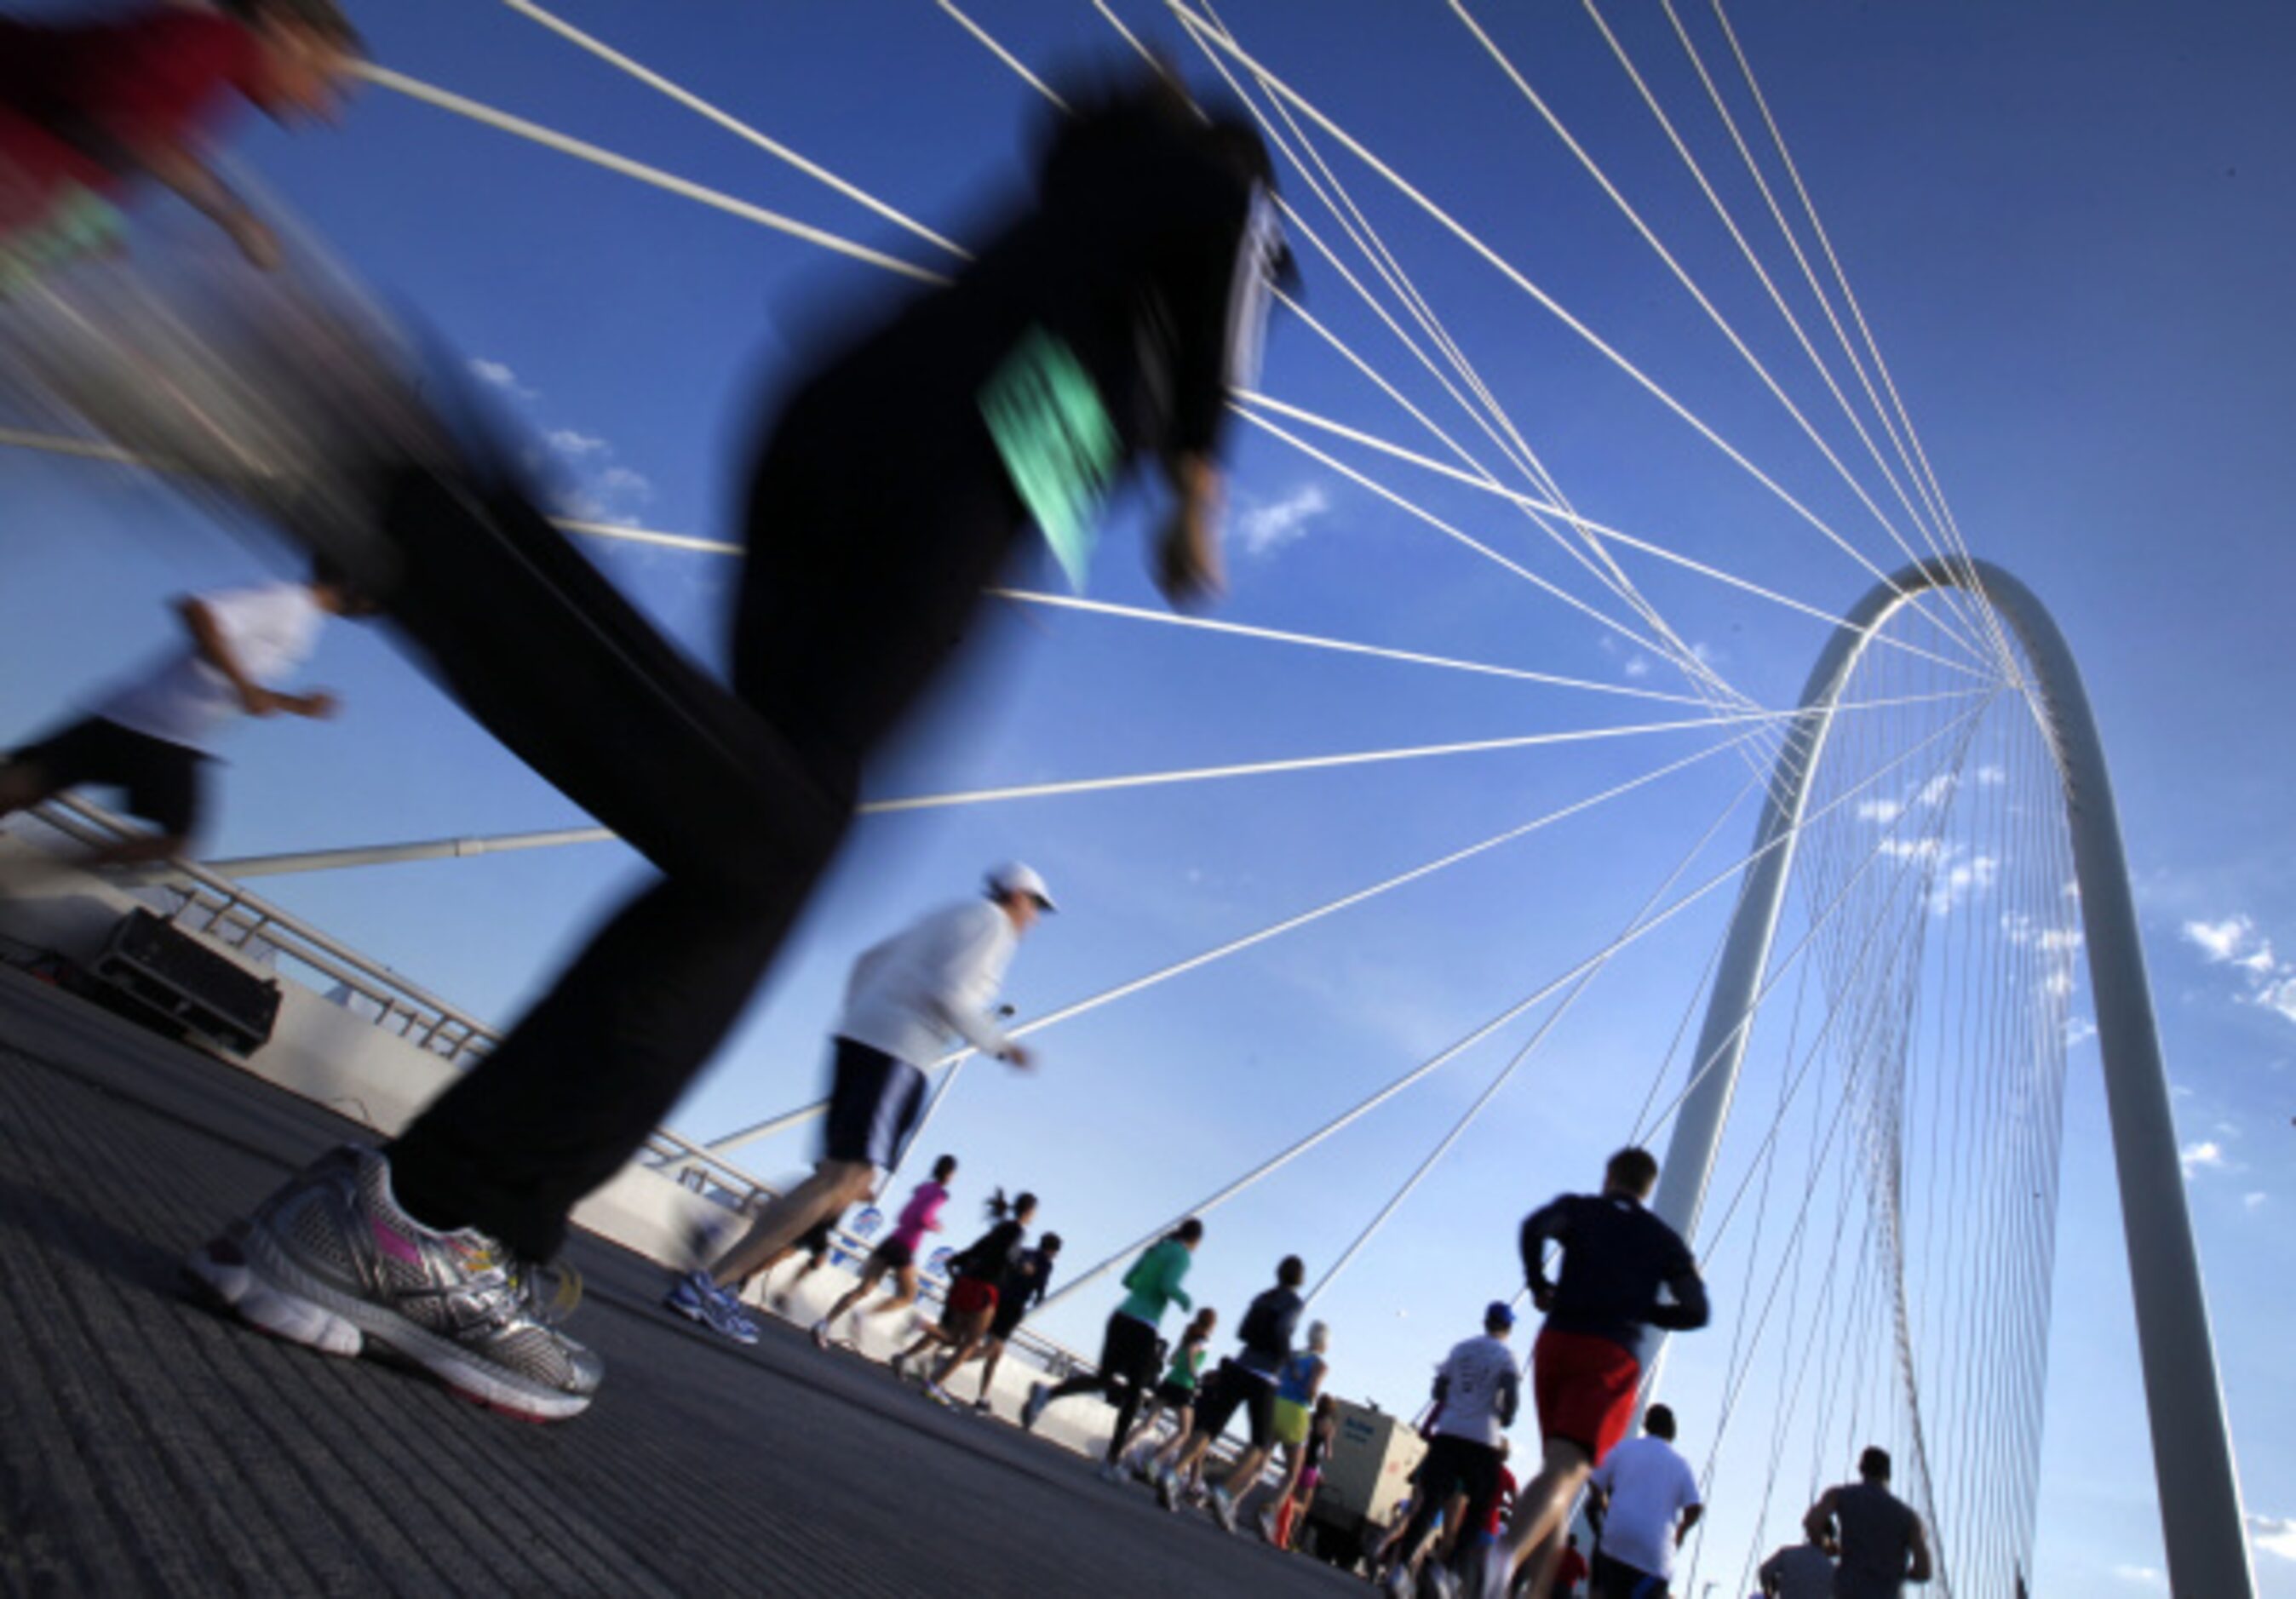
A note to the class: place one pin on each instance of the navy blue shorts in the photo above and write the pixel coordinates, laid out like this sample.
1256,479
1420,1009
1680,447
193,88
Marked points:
873,1106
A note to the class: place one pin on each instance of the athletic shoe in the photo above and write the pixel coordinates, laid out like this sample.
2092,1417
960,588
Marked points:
1444,1580
1167,1488
1110,1471
330,1262
1039,1394
688,1294
820,1335
1223,1510
695,1296
900,1365
852,1329
1499,1575
1268,1524
981,1406
1398,1584
939,1395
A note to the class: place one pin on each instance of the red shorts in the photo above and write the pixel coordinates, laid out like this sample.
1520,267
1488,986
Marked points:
970,1296
1585,1387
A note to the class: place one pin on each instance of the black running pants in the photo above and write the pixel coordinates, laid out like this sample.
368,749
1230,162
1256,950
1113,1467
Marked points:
868,547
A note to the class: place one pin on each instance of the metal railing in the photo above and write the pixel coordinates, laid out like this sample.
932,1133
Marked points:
220,909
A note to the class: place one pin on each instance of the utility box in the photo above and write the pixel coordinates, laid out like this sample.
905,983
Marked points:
182,984
1368,1475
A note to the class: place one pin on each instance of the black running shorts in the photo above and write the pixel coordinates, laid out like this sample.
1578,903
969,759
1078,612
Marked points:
874,1104
1233,1388
161,780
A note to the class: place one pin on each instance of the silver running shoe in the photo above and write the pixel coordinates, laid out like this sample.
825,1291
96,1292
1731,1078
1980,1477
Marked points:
330,1261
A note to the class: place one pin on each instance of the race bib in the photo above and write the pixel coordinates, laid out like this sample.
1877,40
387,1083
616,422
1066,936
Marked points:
1058,447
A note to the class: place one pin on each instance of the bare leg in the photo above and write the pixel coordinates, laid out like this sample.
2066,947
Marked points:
988,1366
905,1292
870,1276
1539,1512
1141,1433
968,1338
833,1185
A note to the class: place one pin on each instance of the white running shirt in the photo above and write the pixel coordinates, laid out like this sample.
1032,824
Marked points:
1480,1387
1650,1487
270,631
920,989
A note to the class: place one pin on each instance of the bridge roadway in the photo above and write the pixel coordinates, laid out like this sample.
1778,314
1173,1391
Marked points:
148,1446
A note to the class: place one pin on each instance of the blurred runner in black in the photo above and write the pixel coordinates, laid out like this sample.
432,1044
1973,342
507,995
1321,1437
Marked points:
1101,330
1878,1536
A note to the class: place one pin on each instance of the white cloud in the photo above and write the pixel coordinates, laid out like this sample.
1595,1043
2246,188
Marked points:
621,479
1637,666
2148,1577
2235,942
574,445
1938,789
1266,528
1913,849
497,375
1991,777
2205,1156
1964,880
2279,994
2220,941
2254,1201
1884,811
2275,1535
2079,1030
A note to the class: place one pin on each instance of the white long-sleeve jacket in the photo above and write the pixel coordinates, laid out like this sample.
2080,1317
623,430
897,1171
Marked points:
918,991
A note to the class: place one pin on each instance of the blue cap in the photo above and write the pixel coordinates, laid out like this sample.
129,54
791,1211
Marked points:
1499,1311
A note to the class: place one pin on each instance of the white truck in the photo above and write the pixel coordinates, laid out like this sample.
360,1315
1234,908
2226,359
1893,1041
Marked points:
1366,1478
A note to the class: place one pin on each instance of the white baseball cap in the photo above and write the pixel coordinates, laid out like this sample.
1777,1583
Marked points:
1014,878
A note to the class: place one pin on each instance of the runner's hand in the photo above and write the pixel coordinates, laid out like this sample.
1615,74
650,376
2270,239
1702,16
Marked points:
257,701
256,240
1188,566
318,705
1018,1057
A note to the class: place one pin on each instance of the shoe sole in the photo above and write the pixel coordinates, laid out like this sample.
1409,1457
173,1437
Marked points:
275,1296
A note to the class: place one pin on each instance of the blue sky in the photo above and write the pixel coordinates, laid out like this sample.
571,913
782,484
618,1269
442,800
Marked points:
2070,226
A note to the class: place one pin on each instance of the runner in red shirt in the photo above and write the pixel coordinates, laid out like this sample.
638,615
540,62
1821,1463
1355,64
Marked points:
1587,1366
86,109
1571,1572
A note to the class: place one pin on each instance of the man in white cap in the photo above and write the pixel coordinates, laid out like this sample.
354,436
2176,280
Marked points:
907,999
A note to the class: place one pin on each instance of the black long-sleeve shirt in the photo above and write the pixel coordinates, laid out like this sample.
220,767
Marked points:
1616,1256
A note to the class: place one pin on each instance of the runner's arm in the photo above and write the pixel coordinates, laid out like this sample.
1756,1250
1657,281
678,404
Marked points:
1219,290
1690,1310
1174,1267
177,169
1918,1569
1539,1228
213,646
1819,1523
1690,1519
964,989
1508,1400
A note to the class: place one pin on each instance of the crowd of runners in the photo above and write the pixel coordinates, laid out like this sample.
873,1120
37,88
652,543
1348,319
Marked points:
1100,332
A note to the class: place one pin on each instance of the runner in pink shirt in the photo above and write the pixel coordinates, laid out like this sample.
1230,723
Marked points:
898,1255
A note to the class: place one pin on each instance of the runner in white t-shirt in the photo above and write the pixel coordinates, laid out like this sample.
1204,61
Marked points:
1478,1390
1649,1498
151,735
